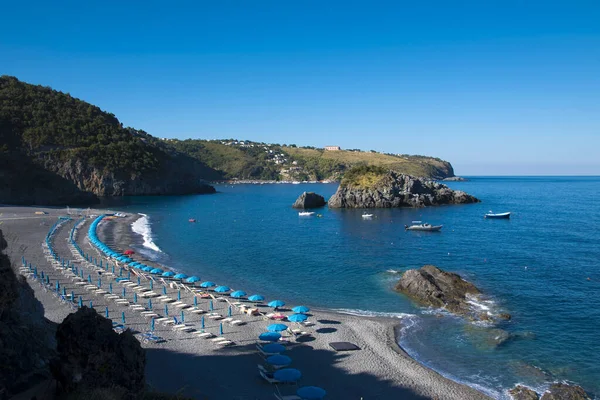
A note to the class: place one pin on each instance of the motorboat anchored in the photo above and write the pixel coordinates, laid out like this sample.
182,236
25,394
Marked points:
367,216
423,227
306,213
504,215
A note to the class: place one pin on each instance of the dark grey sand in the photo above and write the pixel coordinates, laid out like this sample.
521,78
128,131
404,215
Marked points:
202,369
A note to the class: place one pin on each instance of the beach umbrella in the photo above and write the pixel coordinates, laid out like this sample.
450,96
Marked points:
229,311
147,268
279,360
106,312
113,269
180,276
287,375
156,271
211,306
202,323
276,303
99,282
297,318
311,393
164,290
166,310
110,288
277,327
129,275
72,295
80,302
179,295
139,280
207,284
135,297
221,328
57,286
48,279
168,274
89,278
152,325
270,336
195,301
273,348
182,317
64,293
192,279
222,289
129,252
300,309
42,274
23,261
121,271
124,292
237,294
123,317
91,304
150,304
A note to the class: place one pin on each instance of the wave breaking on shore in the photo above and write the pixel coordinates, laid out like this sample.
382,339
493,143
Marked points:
142,227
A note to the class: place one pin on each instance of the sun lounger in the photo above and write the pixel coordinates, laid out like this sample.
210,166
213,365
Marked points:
236,322
180,304
307,323
218,339
225,343
101,291
122,302
280,396
264,353
150,337
176,303
166,300
137,307
163,319
197,311
228,319
204,335
268,377
111,296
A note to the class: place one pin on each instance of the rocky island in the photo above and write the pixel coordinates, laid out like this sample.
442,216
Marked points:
309,200
376,187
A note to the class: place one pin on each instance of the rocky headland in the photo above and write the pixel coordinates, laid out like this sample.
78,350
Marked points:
556,391
375,187
309,200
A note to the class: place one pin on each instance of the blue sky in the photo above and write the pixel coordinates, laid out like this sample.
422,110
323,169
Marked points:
495,87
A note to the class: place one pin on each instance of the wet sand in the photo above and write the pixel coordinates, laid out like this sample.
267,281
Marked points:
187,364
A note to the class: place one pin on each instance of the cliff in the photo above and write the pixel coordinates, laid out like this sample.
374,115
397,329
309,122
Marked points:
375,187
65,150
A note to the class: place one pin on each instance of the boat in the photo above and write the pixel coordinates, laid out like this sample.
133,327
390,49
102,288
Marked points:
306,213
367,216
504,215
191,220
423,227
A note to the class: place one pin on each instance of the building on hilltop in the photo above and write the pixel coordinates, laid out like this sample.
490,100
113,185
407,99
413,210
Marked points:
332,148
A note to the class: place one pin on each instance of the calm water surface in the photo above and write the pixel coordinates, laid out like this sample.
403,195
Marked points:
541,266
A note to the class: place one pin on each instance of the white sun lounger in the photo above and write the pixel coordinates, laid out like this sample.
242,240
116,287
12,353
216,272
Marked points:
178,302
111,296
144,313
236,322
101,291
122,302
168,321
166,300
218,339
163,319
225,343
215,316
137,307
182,328
150,315
228,319
197,311
204,335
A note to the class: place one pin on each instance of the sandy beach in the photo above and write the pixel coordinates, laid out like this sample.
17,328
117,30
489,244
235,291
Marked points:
197,367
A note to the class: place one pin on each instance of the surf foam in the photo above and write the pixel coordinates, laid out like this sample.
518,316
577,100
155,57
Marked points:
141,226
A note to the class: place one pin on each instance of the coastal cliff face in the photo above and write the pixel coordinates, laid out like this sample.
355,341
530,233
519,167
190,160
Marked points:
377,188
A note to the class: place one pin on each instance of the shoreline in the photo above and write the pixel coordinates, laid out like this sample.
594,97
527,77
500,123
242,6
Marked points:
381,369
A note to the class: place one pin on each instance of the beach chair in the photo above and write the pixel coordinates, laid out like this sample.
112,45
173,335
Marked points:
307,323
280,396
215,316
236,322
268,377
204,335
218,339
297,332
197,311
228,319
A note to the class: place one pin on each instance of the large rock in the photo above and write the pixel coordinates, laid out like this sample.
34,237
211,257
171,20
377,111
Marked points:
389,190
433,287
521,392
309,200
92,355
562,391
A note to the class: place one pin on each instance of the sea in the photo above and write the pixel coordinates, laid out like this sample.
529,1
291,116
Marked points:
542,266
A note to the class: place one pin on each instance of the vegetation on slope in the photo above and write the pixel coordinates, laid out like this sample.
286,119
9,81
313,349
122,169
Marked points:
364,176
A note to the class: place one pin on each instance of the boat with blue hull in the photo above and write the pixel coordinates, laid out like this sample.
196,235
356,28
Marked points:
492,215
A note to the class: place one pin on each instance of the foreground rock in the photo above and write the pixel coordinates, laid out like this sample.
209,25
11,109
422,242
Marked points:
92,355
309,200
520,392
373,187
433,287
562,391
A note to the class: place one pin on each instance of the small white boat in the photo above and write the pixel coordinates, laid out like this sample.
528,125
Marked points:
423,227
367,216
504,215
306,213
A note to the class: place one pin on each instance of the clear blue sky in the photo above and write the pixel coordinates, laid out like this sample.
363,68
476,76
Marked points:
495,87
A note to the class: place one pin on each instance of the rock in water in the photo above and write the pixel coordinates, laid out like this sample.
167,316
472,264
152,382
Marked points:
520,392
92,355
374,187
562,391
309,200
433,287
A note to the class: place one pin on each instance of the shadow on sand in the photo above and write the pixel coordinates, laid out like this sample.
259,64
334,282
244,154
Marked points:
231,373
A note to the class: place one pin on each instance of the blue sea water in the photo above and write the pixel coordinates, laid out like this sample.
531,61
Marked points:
541,266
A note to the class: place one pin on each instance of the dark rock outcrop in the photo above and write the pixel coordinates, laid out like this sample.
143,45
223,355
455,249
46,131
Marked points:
92,355
562,391
433,287
455,179
26,340
390,190
309,200
520,392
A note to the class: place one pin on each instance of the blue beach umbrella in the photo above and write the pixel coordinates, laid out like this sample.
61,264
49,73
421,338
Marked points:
207,284
146,268
192,279
311,393
195,301
129,275
150,304
166,310
276,303
211,306
287,375
152,325
270,336
89,278
238,294
279,360
42,274
180,276
297,318
182,317
179,295
80,302
221,328
123,317
99,282
135,297
72,295
48,279
156,271
222,289
124,292
110,288
168,274
277,327
64,293
139,280
57,286
300,309
229,311
91,304
164,290
202,322
106,312
273,348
